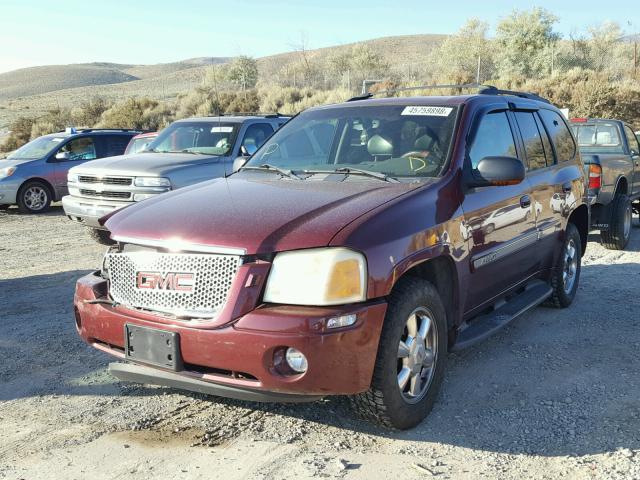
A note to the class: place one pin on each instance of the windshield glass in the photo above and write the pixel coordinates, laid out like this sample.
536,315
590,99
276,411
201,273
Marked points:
598,137
397,140
209,138
37,148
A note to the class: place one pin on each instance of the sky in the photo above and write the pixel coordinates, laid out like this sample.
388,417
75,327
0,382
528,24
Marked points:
39,32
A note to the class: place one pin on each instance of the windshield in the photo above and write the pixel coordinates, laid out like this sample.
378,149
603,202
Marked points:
209,138
598,137
395,140
38,148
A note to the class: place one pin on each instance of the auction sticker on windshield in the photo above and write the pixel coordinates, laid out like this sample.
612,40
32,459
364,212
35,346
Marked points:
222,130
427,111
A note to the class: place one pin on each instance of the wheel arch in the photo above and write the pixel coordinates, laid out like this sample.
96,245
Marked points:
622,186
47,183
441,272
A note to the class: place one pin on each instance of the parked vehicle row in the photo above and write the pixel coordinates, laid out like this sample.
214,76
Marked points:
186,152
611,155
354,249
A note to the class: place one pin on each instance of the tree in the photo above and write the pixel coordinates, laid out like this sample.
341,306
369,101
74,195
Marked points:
456,60
525,42
243,72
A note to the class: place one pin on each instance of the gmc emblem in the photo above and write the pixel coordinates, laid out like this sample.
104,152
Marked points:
171,281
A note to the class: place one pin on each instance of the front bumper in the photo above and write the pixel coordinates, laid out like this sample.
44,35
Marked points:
88,211
9,192
239,355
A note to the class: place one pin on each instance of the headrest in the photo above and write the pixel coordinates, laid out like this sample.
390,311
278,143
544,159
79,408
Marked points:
378,145
425,142
603,138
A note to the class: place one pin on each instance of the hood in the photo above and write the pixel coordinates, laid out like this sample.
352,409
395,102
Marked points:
143,164
260,216
4,163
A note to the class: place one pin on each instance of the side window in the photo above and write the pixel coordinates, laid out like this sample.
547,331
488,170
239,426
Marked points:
82,148
560,135
114,145
256,134
548,150
631,139
493,139
532,140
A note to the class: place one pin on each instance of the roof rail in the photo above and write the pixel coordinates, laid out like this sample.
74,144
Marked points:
73,130
491,90
249,114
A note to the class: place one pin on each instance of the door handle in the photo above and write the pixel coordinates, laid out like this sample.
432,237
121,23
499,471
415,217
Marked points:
567,187
525,201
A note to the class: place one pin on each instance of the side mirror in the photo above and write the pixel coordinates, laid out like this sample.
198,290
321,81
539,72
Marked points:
239,162
248,149
62,156
497,171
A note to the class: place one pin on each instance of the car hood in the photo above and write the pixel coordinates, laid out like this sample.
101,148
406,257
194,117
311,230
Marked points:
259,216
142,164
4,163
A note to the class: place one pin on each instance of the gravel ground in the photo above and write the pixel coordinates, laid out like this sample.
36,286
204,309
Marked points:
554,395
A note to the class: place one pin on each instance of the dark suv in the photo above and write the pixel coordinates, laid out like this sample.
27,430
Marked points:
36,174
361,243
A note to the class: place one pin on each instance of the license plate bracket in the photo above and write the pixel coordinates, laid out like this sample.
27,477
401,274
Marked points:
151,346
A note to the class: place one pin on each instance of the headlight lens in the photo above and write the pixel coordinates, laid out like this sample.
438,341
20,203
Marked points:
152,182
320,276
7,171
72,177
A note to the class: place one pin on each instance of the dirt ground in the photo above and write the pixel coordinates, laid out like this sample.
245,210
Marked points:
554,395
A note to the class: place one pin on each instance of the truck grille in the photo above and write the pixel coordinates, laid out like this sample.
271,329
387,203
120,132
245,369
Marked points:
106,194
145,280
106,180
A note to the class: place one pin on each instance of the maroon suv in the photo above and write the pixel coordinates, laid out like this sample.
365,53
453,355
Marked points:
361,243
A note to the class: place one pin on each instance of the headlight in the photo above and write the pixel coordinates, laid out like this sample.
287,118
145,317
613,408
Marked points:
72,177
319,276
7,171
152,182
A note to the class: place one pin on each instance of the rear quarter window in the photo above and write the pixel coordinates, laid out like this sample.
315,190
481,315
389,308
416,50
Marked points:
560,135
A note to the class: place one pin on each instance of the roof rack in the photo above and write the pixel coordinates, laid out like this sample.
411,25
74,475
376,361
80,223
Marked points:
482,89
74,130
491,90
249,114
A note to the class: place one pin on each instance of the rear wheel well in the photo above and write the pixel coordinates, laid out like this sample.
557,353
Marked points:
580,218
622,188
441,272
46,183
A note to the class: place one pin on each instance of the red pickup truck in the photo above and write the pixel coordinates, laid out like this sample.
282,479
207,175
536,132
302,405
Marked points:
361,243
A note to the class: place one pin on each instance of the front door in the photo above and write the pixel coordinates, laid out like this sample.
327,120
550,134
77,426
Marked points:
78,151
634,151
499,224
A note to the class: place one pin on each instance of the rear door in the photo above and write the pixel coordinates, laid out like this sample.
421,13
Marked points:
499,222
112,145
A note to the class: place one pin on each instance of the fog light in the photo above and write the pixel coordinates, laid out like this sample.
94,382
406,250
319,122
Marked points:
296,360
343,321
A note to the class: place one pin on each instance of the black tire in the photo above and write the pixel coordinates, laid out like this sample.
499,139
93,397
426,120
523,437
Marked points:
4,207
34,197
489,229
103,237
619,232
384,403
562,296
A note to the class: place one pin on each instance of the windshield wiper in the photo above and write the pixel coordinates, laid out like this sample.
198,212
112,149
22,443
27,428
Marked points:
357,171
265,167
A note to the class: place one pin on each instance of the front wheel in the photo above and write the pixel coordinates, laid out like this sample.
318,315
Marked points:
619,232
411,359
34,197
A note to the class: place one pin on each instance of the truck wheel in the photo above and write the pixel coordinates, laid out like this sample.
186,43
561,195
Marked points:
566,274
411,359
619,232
34,197
103,237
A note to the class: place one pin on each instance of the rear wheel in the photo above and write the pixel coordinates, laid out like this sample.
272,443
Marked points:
619,232
34,197
103,237
411,359
566,275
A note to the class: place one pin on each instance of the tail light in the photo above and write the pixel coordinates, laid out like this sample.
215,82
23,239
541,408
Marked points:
595,176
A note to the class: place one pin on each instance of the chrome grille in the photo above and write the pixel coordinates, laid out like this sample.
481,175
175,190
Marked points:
105,180
213,276
105,194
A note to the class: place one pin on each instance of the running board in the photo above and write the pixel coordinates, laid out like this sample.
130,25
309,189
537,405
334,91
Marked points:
486,325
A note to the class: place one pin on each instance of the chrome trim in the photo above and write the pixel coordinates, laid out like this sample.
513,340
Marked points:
179,246
502,251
